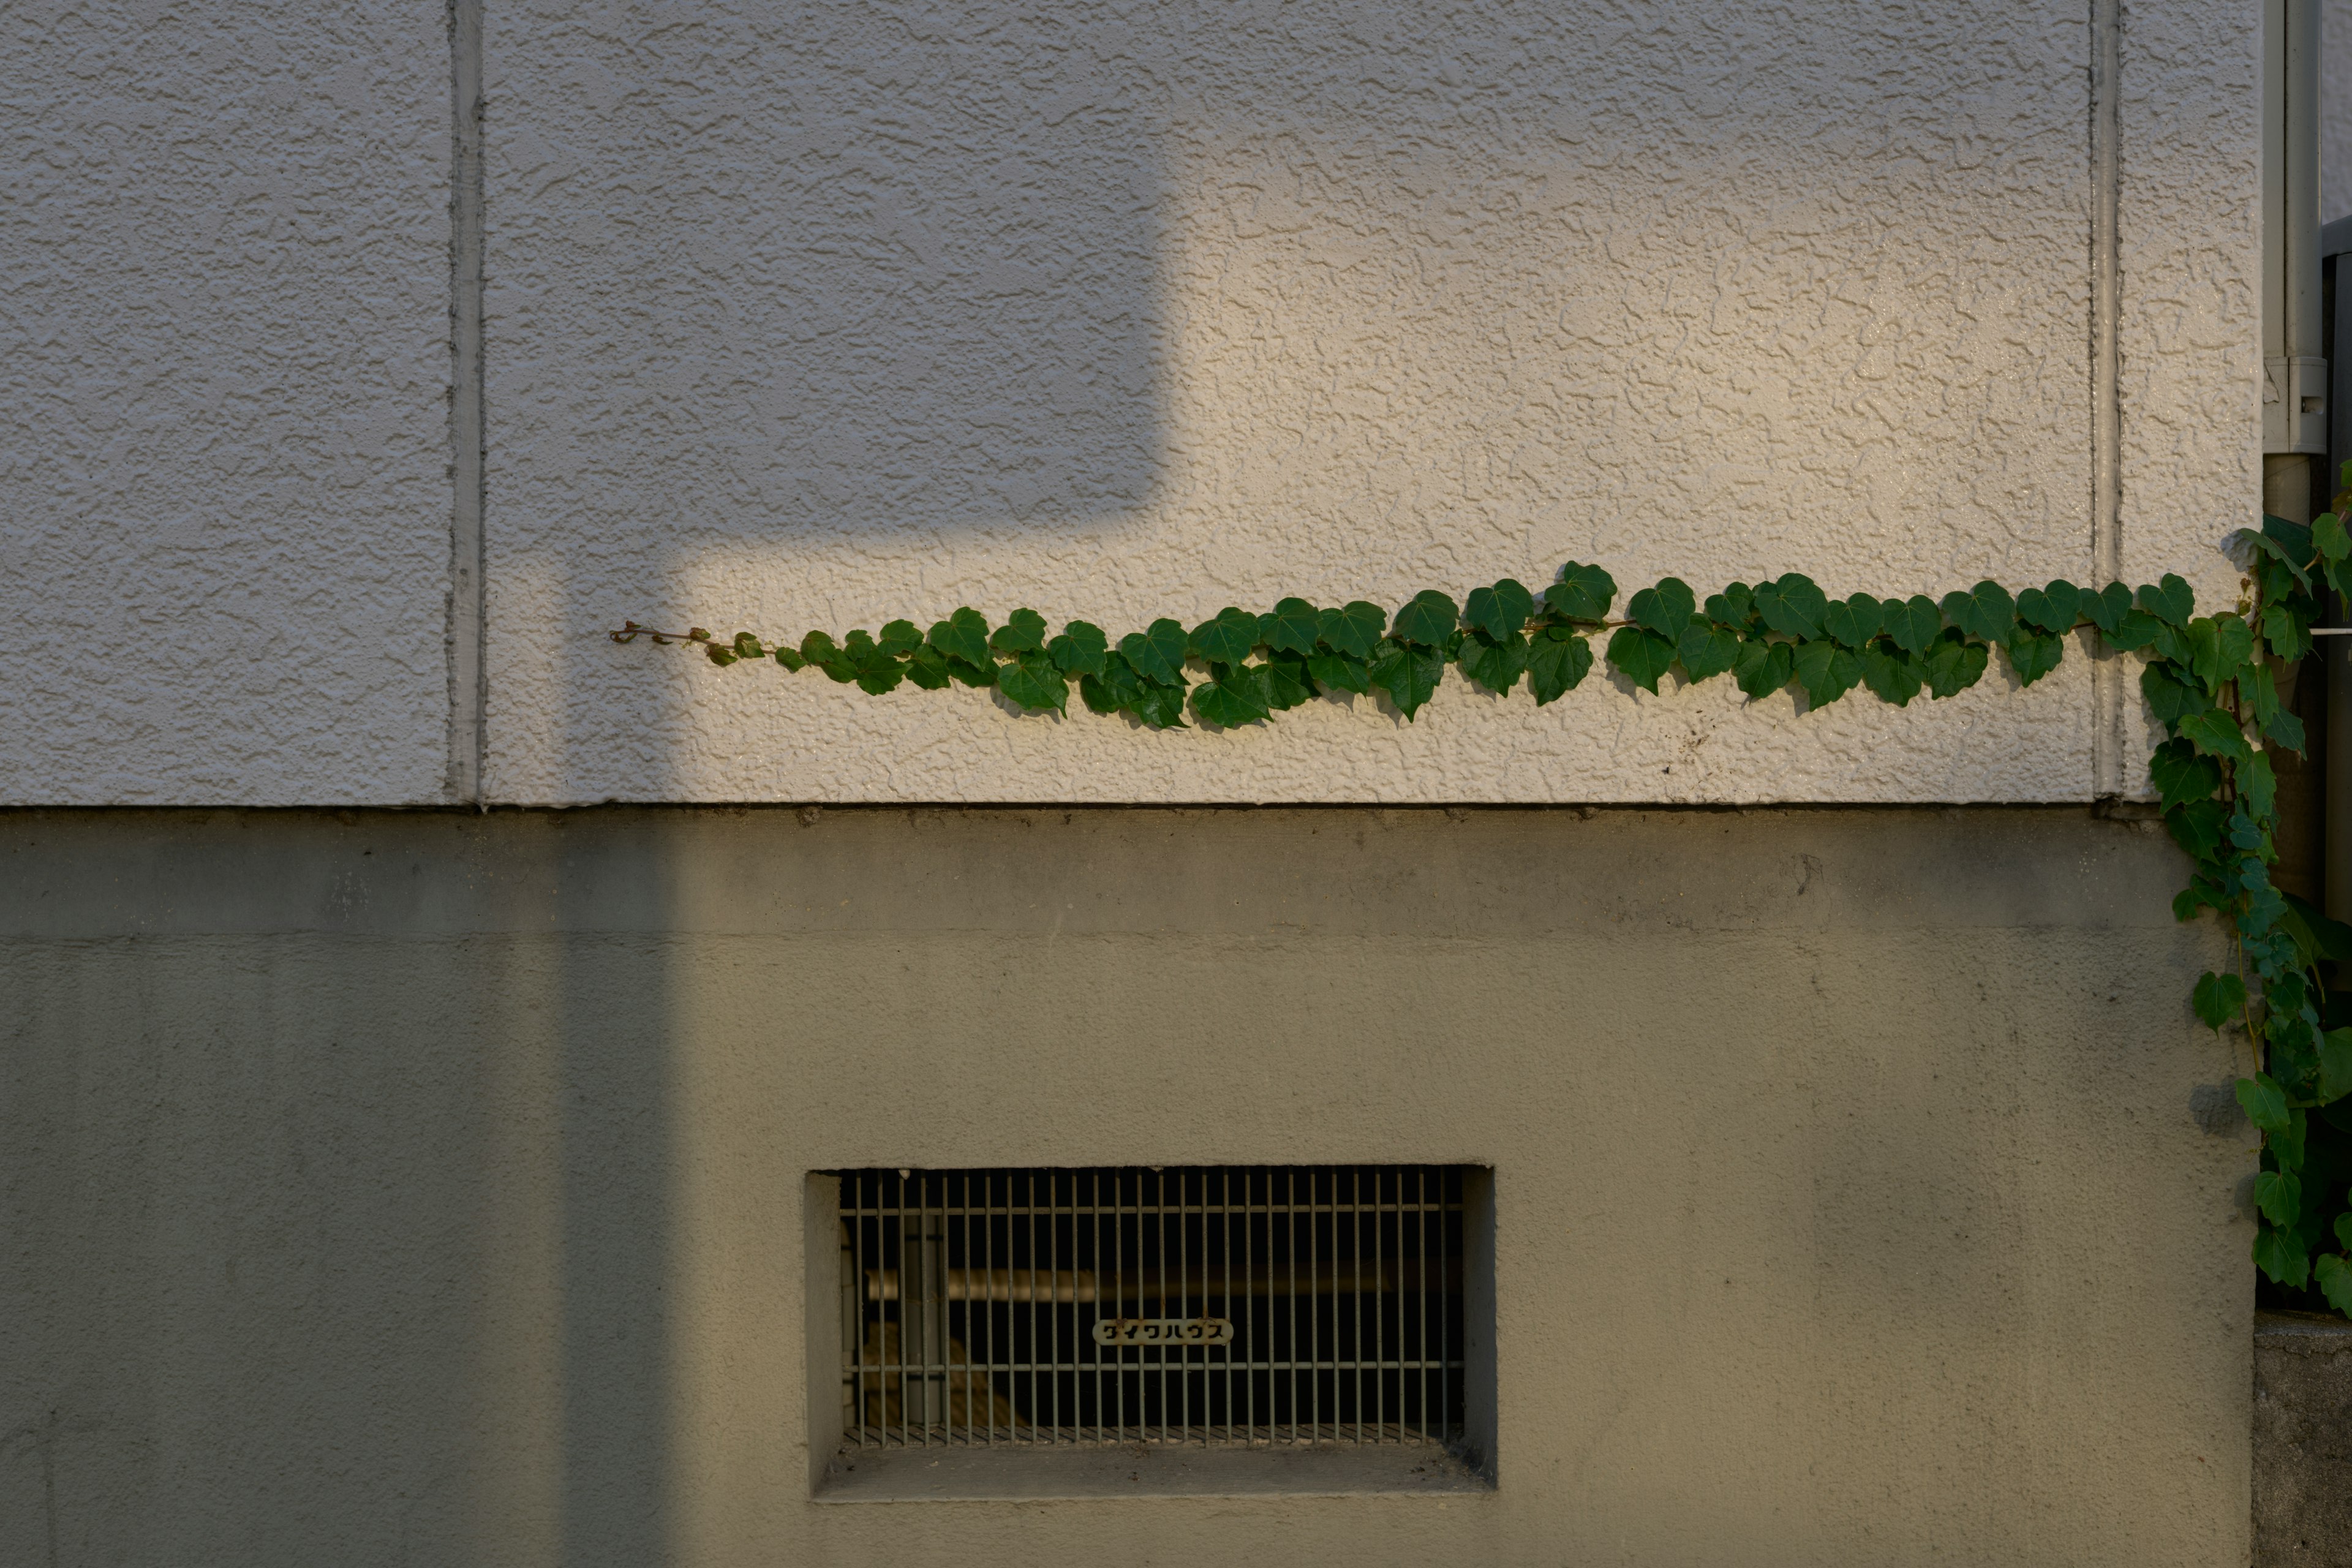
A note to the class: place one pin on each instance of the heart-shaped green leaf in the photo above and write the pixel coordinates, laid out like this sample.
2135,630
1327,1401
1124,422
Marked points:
818,647
2334,1064
1494,663
2281,1255
2264,1102
2032,654
900,638
2055,608
2199,826
2217,734
1236,695
1558,661
1793,605
2171,695
2333,1275
1428,620
1408,675
1985,611
1356,630
1115,689
1226,639
2328,537
1500,610
1705,649
1893,676
2181,775
1287,684
1953,663
1582,594
1339,672
2286,629
2279,1195
1732,608
790,658
973,674
1081,649
2107,606
2170,600
1157,655
1826,671
1293,627
1853,621
1763,668
2218,998
1160,706
1033,681
1665,609
1912,624
1024,631
1641,655
963,636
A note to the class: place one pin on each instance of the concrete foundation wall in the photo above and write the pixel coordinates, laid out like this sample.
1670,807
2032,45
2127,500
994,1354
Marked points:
384,1188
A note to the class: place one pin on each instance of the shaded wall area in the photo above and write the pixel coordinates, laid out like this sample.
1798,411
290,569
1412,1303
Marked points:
389,1187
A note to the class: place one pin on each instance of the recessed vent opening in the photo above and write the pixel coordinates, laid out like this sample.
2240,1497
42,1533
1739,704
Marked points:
1220,1306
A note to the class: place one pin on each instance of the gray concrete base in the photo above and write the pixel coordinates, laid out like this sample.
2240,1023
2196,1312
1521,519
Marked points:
2303,1441
1146,1470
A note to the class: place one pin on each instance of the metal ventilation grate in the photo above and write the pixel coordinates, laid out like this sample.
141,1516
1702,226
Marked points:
1219,1305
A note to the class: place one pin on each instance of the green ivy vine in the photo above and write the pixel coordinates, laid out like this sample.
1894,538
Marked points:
2210,681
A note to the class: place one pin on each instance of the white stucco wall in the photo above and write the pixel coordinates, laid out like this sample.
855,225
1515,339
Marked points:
817,318
224,351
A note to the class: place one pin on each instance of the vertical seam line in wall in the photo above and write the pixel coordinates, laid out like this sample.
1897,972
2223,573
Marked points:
2106,378
468,676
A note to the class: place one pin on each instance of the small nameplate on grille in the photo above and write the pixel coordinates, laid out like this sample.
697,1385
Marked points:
1164,1331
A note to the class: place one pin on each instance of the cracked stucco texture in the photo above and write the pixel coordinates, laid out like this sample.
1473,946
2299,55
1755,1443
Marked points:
819,316
224,367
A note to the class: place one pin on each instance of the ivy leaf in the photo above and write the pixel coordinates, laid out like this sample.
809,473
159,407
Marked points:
2032,654
2170,600
2258,786
2106,607
1953,663
1428,620
1162,707
2198,827
790,658
1792,606
1237,695
1293,627
2329,538
1826,671
2060,608
963,636
1356,630
1408,675
1892,676
2264,1102
1582,594
2200,894
1339,671
1854,621
2343,1232
2334,1277
1081,649
1157,655
927,668
1115,689
1227,640
1705,649
1501,610
2134,630
1558,661
2279,1195
970,674
2285,730
1912,624
2294,539
1665,609
2217,734
1642,656
1763,668
2335,1064
1023,632
2170,696
1985,611
2217,646
2318,939
1494,664
1033,681
721,656
900,638
818,647
1733,607
1287,684
2280,1254
2181,775
879,675
2287,630
2218,999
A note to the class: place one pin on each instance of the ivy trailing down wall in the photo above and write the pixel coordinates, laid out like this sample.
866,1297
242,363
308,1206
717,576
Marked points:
2210,682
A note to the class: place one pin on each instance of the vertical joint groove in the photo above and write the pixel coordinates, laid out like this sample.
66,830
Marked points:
467,679
2107,375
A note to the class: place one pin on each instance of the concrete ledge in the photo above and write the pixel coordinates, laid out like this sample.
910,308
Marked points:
1145,1469
2303,1441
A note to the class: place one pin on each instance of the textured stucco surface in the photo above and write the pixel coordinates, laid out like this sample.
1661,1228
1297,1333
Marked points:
425,1188
817,318
2335,110
224,500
